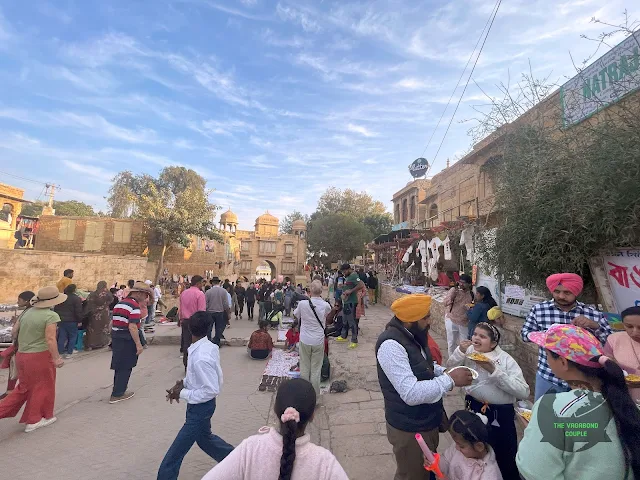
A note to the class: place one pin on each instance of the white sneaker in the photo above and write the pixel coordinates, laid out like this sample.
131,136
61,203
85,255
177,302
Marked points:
42,423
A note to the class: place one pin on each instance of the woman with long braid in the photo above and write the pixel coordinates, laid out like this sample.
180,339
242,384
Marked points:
287,454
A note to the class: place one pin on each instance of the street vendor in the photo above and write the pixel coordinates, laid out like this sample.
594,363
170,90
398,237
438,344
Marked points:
412,384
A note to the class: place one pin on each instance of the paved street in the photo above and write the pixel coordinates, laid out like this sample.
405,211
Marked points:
128,440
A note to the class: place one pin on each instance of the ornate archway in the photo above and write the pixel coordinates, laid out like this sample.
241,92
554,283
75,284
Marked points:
266,269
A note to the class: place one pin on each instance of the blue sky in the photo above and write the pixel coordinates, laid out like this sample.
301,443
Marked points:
271,101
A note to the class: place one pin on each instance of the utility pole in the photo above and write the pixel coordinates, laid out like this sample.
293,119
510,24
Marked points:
48,209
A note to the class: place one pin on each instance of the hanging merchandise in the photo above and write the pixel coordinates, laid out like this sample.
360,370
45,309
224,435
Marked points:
409,251
423,246
447,248
466,239
461,264
433,269
436,244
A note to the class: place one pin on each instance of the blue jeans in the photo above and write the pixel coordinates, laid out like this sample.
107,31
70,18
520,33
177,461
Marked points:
545,386
196,429
67,337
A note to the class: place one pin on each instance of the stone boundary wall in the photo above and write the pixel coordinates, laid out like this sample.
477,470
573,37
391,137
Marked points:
526,354
30,270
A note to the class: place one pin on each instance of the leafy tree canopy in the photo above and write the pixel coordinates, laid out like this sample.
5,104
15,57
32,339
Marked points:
564,199
339,236
65,208
357,205
175,205
286,225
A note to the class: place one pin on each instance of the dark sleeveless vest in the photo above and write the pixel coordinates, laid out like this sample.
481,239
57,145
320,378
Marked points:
419,418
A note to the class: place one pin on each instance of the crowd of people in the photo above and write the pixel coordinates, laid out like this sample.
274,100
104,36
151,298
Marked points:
580,378
585,422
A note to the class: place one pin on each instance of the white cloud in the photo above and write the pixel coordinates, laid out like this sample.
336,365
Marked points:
298,16
86,79
91,125
270,37
233,11
105,50
370,161
411,83
98,174
364,131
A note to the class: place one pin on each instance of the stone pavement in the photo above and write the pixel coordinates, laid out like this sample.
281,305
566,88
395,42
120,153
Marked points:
93,439
356,423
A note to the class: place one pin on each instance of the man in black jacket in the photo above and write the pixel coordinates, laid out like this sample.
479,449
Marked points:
70,313
412,384
372,286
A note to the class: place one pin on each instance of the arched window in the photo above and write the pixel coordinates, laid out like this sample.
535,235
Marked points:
6,214
405,211
412,214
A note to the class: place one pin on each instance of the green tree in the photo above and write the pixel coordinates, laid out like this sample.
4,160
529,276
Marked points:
339,236
175,206
286,225
122,197
378,223
348,202
63,208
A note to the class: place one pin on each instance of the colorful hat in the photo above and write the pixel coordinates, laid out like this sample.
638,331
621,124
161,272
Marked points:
494,313
412,308
573,343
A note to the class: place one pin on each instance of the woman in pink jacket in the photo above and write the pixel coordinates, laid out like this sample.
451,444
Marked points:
287,454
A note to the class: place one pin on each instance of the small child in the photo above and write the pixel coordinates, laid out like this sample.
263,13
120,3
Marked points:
499,384
260,343
293,337
470,457
622,346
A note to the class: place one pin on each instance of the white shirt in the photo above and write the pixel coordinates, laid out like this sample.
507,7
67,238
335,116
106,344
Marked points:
158,292
505,385
204,373
311,333
394,361
230,300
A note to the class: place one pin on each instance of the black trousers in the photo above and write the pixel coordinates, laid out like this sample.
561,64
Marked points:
217,326
503,437
185,341
250,306
121,381
239,307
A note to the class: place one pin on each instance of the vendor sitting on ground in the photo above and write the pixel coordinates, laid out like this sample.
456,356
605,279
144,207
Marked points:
293,337
260,342
274,317
334,319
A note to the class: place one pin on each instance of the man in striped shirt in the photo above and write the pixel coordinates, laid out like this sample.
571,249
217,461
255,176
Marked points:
125,339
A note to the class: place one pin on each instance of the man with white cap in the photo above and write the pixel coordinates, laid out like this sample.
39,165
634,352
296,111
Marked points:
412,384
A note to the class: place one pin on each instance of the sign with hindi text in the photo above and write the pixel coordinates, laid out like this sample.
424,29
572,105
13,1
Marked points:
623,272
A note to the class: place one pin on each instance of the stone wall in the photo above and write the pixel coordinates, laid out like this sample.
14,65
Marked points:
51,238
30,270
526,354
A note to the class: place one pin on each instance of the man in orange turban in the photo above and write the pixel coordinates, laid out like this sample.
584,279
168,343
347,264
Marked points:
563,309
412,384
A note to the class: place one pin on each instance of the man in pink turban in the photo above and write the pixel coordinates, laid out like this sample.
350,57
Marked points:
563,309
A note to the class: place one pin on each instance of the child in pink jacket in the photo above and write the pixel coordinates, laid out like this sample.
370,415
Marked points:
470,457
285,452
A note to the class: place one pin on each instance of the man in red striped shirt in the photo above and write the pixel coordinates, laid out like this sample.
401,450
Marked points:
125,339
